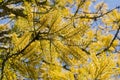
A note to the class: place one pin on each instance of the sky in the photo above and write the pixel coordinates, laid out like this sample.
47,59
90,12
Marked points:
112,3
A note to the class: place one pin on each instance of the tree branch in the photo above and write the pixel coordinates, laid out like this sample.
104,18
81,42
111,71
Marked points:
110,43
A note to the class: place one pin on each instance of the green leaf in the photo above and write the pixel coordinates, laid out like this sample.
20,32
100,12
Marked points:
1,0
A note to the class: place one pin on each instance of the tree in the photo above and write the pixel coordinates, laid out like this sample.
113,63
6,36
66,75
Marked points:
47,39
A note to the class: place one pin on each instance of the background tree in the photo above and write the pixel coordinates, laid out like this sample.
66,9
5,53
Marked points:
47,39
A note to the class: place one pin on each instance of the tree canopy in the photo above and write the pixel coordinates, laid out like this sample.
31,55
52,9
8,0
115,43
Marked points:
59,40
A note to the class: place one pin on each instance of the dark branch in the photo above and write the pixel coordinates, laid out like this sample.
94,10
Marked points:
110,43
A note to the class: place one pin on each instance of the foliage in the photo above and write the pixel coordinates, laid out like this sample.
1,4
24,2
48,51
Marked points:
47,39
